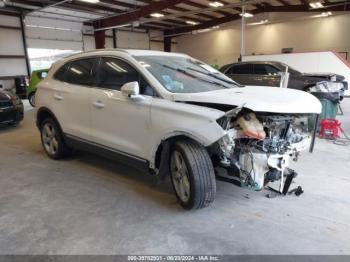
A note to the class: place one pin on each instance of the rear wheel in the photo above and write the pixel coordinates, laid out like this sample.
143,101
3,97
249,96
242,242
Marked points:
192,175
31,99
52,139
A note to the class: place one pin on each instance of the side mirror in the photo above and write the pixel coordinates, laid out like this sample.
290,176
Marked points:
132,91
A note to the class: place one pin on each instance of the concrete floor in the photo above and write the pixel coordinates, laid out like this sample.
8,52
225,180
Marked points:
89,205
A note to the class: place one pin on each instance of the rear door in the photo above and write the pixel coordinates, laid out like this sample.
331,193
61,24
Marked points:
241,73
72,97
266,75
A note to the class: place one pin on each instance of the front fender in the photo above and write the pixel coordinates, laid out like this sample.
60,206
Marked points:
172,119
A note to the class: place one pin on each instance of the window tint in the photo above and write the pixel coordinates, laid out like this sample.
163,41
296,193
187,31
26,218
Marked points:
60,72
259,69
271,70
114,73
79,72
145,88
240,69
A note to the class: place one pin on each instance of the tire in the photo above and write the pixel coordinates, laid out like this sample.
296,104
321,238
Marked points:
52,139
192,170
31,99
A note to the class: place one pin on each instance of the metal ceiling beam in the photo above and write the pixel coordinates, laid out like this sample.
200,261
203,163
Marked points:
195,12
304,2
283,2
345,6
200,6
135,15
180,9
49,5
302,8
120,3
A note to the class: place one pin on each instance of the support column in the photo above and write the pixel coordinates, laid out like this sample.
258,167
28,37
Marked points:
167,44
100,39
24,40
242,35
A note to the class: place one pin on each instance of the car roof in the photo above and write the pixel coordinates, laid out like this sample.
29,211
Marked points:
257,62
132,52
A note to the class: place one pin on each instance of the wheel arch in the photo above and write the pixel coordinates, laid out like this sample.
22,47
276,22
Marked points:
171,138
44,113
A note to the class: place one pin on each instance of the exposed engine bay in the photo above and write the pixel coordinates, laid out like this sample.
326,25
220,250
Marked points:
258,147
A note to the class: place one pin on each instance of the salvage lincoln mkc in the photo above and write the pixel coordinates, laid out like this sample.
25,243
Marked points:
173,114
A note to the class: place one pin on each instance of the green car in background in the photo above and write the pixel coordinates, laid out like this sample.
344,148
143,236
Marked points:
36,77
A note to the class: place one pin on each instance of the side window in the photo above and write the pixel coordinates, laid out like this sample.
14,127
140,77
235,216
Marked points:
59,75
114,73
79,72
240,69
271,70
145,88
259,69
42,75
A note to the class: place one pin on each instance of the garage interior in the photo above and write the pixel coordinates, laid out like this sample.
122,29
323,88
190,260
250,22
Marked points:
89,205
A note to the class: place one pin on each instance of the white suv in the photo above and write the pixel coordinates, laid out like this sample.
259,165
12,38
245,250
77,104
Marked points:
173,114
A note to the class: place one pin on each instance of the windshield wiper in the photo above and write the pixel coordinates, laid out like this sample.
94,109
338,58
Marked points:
194,76
214,76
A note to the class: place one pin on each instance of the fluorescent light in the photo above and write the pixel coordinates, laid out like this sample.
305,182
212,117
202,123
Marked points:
216,4
316,4
323,14
260,23
90,1
157,15
191,23
246,15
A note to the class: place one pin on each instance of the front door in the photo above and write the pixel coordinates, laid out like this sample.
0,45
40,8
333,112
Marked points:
118,122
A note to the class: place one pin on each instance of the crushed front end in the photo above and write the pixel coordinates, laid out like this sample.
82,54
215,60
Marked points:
259,147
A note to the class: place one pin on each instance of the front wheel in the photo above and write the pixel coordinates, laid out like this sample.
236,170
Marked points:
31,99
192,175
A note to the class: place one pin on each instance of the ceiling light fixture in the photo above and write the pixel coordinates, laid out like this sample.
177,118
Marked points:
246,15
260,23
91,1
157,15
191,23
216,4
324,14
316,4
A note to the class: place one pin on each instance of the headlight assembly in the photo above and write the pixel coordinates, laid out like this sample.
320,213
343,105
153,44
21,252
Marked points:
327,87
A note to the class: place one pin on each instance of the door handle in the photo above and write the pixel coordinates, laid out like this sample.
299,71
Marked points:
98,104
58,97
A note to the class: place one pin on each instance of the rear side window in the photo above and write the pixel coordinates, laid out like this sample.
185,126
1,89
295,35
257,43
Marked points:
42,75
80,72
240,69
114,73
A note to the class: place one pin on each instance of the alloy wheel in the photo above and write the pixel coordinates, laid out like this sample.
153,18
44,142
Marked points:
179,175
49,137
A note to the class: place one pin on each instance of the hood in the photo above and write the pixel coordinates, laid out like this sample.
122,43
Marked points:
258,99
